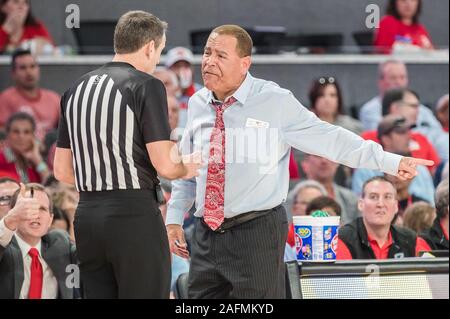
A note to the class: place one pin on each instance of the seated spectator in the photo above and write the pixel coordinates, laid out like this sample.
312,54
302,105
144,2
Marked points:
442,112
393,134
419,217
169,79
323,171
400,29
393,74
402,102
300,196
60,220
26,96
33,261
437,235
173,107
18,25
326,204
22,158
404,198
373,236
65,197
180,60
7,188
327,103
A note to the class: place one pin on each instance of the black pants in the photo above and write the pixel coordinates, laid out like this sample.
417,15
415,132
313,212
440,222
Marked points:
245,262
122,245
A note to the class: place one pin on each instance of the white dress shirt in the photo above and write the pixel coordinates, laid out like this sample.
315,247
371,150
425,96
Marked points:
50,284
260,128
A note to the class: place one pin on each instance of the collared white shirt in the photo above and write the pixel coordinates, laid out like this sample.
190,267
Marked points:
260,128
50,284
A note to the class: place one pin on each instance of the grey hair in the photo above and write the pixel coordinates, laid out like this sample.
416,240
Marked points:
173,75
441,199
382,65
309,183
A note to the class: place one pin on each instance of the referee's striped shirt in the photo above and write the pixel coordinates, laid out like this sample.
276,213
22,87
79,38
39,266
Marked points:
107,118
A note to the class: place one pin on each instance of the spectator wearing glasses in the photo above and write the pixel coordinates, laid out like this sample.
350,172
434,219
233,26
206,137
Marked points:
393,74
373,236
395,136
405,103
34,261
7,188
326,102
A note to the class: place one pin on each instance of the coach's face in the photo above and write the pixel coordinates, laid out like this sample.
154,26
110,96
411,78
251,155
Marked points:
223,70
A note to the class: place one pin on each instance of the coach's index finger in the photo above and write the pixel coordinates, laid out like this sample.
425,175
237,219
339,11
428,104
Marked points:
421,161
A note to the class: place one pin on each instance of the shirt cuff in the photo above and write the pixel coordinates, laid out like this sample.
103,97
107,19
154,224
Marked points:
391,163
5,234
174,218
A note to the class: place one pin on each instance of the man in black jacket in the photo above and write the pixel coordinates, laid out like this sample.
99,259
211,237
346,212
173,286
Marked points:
437,235
35,264
373,236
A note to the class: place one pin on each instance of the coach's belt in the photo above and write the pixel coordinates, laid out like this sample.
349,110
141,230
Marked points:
240,219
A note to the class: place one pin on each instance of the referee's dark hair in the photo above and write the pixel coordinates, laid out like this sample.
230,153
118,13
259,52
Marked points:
135,29
393,96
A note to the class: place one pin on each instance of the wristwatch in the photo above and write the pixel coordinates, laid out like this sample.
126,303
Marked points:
42,167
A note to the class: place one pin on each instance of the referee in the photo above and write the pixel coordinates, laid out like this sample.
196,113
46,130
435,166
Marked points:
113,138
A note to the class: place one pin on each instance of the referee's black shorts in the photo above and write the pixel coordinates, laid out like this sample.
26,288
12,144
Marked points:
122,245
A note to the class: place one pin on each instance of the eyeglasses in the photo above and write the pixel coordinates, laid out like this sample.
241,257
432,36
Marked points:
330,80
5,200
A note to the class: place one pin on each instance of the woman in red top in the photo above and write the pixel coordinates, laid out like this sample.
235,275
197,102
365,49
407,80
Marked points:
17,25
21,158
401,26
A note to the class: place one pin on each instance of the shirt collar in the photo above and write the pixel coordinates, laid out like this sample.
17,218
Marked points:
241,93
373,241
25,247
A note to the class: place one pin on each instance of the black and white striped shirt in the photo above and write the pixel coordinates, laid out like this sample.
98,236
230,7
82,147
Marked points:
107,117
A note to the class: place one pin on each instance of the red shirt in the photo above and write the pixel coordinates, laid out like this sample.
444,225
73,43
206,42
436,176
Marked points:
390,28
45,108
419,147
443,230
291,236
293,167
29,32
8,166
343,253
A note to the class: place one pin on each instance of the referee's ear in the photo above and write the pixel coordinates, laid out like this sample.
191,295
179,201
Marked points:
149,49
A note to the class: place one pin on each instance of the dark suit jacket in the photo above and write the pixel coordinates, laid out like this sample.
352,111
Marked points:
57,251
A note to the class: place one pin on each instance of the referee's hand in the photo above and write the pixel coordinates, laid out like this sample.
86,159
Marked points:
177,243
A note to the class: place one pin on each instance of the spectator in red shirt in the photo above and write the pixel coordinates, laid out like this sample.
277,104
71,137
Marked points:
400,28
21,158
17,25
405,103
373,236
26,96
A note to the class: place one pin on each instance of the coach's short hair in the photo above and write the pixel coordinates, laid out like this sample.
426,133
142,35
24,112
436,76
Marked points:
244,40
137,28
379,178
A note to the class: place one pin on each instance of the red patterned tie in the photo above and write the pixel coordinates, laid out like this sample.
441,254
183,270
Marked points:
215,181
36,280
